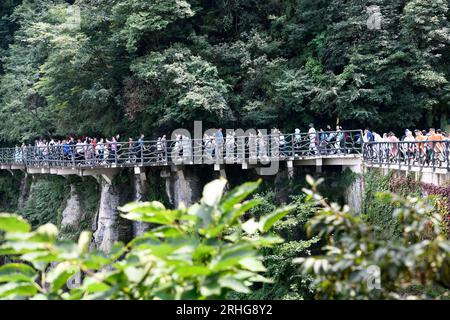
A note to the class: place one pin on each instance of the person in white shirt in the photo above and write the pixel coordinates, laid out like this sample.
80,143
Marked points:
229,145
297,141
261,140
408,149
187,148
377,147
312,139
283,145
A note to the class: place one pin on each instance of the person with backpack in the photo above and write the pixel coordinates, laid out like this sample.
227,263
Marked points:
367,138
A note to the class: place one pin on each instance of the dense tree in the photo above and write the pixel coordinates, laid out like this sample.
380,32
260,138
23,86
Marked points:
126,66
357,264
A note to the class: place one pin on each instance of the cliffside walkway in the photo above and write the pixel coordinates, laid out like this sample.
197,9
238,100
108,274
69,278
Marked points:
342,148
303,149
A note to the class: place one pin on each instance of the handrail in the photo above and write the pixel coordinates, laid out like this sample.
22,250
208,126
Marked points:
422,154
232,149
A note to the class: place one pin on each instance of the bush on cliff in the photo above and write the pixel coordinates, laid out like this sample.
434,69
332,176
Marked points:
201,252
357,264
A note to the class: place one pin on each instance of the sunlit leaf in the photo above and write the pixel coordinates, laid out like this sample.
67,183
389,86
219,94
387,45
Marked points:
212,192
268,221
13,223
17,272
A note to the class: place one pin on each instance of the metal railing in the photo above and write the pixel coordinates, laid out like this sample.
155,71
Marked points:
423,154
229,150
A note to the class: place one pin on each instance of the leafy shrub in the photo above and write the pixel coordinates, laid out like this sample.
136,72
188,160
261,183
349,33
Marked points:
203,252
46,201
9,191
375,212
379,213
354,254
287,284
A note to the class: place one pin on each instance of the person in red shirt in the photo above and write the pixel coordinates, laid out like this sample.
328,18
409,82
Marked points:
94,147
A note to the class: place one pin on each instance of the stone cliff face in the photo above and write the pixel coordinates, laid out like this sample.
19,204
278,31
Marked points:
140,189
107,223
24,191
176,185
182,186
354,194
72,215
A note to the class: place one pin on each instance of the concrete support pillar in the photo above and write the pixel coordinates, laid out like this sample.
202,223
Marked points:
290,169
107,225
319,164
140,189
354,168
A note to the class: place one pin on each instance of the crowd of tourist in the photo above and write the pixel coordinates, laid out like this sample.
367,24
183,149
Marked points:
255,145
420,145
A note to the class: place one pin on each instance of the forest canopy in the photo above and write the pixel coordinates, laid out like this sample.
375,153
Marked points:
130,66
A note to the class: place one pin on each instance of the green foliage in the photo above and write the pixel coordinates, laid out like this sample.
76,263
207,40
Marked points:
287,284
338,182
89,195
135,65
380,213
139,20
376,212
7,27
190,84
47,199
421,255
201,252
9,191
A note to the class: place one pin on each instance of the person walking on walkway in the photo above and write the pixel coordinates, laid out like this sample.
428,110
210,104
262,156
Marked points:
261,140
312,139
394,146
219,142
113,148
159,150
367,138
297,142
408,148
230,144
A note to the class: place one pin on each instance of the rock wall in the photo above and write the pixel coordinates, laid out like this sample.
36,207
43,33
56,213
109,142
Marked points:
140,189
172,186
72,215
24,191
106,227
354,194
182,186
